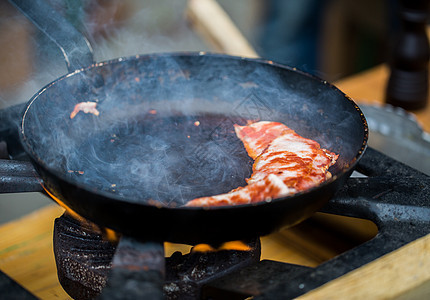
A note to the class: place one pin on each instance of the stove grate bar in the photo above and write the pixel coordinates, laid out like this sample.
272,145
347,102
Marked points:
12,290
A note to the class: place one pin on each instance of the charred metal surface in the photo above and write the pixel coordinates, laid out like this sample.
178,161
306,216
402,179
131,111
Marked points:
84,261
187,274
137,271
18,177
252,280
83,258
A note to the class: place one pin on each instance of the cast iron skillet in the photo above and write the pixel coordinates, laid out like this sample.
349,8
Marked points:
132,167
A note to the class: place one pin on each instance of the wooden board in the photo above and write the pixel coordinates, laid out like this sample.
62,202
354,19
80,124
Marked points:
26,253
26,249
216,28
404,273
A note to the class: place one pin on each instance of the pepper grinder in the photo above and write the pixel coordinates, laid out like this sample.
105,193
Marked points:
409,78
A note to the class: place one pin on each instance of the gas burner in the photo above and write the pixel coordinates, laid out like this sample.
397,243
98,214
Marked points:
392,195
84,259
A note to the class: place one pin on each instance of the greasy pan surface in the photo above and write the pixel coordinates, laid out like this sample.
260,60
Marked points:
164,135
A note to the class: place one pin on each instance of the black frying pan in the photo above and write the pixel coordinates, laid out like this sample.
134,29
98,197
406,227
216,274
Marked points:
132,167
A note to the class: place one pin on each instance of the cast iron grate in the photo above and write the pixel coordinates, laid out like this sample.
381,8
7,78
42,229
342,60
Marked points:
393,196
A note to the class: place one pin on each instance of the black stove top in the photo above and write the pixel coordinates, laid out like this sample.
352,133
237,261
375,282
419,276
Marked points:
392,195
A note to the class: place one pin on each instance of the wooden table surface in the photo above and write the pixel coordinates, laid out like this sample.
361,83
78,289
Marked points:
26,253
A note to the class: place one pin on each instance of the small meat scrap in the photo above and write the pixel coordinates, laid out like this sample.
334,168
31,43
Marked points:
76,172
86,107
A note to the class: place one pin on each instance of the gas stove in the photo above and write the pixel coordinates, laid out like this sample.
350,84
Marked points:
390,194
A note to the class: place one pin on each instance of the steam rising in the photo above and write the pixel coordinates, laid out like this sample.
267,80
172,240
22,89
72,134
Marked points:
165,129
115,29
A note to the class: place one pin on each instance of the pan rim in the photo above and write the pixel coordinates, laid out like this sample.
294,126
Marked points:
36,159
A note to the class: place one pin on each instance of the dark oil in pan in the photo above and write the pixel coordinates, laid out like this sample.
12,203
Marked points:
165,159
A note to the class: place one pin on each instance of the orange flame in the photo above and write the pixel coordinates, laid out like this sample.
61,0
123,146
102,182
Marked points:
233,245
63,205
110,235
107,233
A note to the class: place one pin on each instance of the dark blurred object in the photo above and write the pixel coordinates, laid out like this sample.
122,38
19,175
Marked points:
354,36
290,32
408,83
15,51
331,39
95,19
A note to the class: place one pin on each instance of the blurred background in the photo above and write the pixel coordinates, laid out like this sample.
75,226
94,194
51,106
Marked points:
329,38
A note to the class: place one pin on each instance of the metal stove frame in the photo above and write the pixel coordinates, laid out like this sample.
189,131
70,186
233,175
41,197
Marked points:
393,196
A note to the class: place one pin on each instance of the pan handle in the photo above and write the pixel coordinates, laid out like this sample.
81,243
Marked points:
18,176
76,49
